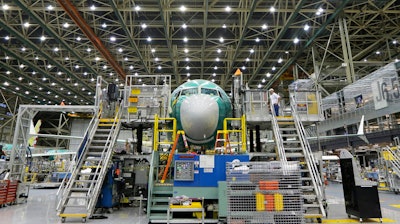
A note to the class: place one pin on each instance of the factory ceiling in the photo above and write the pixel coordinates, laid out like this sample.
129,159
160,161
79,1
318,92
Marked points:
53,50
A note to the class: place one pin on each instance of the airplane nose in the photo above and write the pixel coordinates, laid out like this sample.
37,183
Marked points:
199,117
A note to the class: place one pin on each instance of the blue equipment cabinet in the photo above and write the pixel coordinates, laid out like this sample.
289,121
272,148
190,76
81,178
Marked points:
202,170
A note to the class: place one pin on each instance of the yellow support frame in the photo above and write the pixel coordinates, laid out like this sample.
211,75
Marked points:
157,131
242,131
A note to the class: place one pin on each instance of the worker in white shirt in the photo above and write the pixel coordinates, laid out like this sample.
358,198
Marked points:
274,99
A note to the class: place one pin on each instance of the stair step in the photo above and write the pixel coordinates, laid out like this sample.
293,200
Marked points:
96,154
294,155
159,207
161,192
79,189
77,196
96,147
74,206
166,200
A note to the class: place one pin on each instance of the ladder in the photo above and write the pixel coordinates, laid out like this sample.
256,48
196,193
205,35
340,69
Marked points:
292,145
222,143
80,194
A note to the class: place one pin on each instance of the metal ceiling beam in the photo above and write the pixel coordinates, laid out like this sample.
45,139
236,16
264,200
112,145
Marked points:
128,33
308,43
164,16
277,39
41,71
203,46
60,40
244,27
72,11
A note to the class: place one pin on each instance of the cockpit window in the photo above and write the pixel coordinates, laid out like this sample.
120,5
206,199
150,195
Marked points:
212,92
188,92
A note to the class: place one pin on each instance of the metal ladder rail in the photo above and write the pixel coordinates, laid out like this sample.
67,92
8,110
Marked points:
18,158
278,137
395,161
105,158
90,131
152,177
311,162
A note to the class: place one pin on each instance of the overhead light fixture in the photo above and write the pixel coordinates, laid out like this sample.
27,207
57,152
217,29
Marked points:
187,59
228,9
247,59
219,51
214,74
104,25
144,26
320,11
97,58
184,26
280,60
120,50
264,26
6,37
159,67
251,51
137,8
273,68
56,49
153,50
188,67
112,38
6,7
185,39
217,59
188,74
26,24
78,38
243,67
186,50
50,7
257,39
148,39
224,26
268,74
130,67
272,9
221,39
296,40
92,7
43,38
259,86
306,27
66,25
182,8
6,83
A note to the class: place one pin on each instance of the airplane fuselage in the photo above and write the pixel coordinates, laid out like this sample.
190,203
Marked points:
200,107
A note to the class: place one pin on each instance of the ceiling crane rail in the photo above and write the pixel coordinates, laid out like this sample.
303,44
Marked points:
72,11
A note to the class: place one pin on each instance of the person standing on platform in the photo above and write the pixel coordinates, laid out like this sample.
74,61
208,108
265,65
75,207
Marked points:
274,99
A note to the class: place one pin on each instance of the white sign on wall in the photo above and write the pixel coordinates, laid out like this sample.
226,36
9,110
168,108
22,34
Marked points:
385,90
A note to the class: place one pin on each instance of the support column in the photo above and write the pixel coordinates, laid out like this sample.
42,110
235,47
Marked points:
347,55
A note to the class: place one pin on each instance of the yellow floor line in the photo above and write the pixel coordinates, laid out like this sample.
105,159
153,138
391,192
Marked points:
356,220
396,206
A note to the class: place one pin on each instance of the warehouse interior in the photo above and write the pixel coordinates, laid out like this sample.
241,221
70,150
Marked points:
160,111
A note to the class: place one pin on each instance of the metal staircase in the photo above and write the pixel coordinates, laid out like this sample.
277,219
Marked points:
80,193
290,138
159,193
392,159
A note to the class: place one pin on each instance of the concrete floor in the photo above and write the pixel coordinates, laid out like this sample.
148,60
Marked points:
40,209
